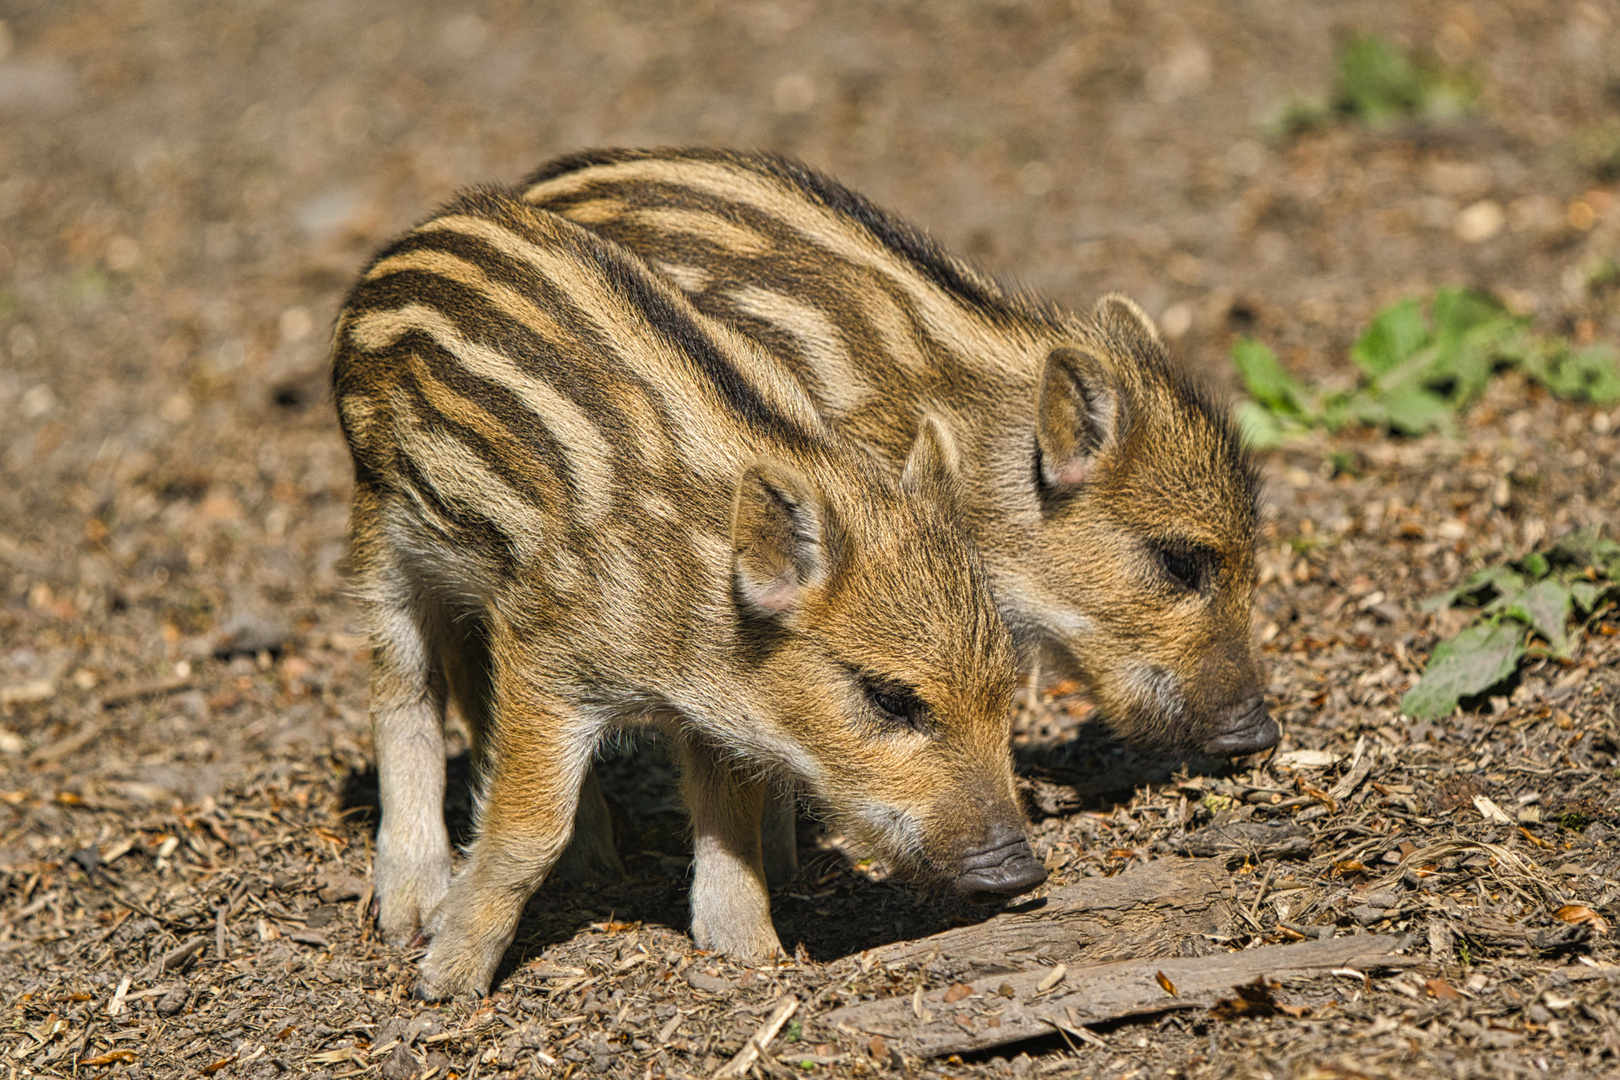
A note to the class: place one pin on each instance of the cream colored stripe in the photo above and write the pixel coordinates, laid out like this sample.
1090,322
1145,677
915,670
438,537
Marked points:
518,457
649,353
588,453
940,313
843,386
460,478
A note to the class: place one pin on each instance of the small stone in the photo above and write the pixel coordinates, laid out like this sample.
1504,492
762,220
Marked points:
714,984
175,1000
1479,221
250,635
338,885
1367,915
424,1026
400,1065
1382,898
321,916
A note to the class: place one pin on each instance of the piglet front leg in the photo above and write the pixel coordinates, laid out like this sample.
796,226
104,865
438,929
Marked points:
731,903
537,765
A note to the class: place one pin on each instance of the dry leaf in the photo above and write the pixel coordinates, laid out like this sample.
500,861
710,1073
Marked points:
1441,990
1306,759
1164,981
111,1057
1578,913
957,993
878,1048
1052,979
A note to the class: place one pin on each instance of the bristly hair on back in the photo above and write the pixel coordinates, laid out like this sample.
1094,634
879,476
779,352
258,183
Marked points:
988,294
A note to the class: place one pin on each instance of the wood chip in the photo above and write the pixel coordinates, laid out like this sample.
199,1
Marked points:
761,1038
121,695
116,1005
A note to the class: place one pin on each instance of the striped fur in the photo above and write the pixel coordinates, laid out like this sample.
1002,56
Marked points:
581,505
1113,503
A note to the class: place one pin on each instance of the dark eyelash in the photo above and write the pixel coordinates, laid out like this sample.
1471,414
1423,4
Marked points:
896,705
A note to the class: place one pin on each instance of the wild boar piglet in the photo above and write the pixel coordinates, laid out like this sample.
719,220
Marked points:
582,505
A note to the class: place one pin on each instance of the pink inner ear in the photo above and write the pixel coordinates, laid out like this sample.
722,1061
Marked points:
776,595
1072,472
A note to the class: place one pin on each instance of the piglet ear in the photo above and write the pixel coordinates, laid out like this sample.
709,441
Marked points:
1078,416
1122,318
933,468
778,539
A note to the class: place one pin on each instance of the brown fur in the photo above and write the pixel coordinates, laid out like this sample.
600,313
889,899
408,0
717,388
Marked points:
581,505
1113,503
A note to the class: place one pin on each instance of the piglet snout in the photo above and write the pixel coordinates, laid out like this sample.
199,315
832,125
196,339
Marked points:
1005,866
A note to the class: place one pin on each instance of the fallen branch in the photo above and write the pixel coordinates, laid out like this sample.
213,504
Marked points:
1149,910
1004,1009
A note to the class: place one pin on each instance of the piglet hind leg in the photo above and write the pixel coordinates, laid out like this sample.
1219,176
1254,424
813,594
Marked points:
731,904
537,762
412,867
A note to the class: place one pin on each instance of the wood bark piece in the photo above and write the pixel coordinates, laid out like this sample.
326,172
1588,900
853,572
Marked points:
1009,1008
1152,909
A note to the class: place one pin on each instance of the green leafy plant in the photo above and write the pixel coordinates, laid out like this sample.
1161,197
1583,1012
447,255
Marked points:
1378,83
1418,371
1524,610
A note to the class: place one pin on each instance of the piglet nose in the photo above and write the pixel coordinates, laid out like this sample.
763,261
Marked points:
1245,729
1004,866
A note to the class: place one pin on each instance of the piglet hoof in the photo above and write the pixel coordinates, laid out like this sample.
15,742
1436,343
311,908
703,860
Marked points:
738,943
444,977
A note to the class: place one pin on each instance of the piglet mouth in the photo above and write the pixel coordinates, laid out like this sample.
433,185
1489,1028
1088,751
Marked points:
997,872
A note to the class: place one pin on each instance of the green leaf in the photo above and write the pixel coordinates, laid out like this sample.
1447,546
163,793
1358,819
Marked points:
1265,379
1415,411
1585,594
1546,606
1535,564
1591,373
1498,580
1588,547
1376,81
1395,334
1457,311
1261,427
1469,664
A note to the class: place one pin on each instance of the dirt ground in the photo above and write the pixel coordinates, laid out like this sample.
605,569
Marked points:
185,764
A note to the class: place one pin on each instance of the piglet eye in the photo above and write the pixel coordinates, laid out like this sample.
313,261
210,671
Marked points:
1187,567
896,705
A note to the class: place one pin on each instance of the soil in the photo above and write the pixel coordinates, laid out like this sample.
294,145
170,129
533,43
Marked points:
185,764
